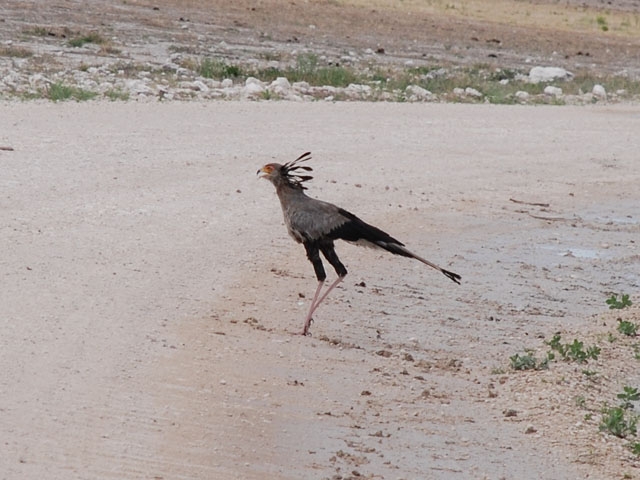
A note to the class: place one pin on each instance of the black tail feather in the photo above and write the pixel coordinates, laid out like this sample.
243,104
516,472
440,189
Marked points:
453,276
357,231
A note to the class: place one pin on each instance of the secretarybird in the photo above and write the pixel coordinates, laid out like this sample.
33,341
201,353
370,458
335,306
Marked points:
317,224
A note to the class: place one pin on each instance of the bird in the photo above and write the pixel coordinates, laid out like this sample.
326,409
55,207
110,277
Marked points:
317,224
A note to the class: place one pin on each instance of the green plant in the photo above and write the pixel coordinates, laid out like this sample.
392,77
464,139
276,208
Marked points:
635,448
116,94
614,303
627,328
58,92
602,23
89,38
308,70
618,422
210,68
572,351
628,395
527,362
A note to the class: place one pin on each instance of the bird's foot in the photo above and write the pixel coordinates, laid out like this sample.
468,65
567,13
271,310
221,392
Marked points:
305,330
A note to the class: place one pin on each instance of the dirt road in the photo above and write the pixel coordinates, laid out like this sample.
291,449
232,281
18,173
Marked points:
150,290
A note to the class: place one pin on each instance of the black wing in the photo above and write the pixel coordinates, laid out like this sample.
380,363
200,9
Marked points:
356,230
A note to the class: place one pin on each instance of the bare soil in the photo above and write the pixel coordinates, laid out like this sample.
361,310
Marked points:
150,292
584,36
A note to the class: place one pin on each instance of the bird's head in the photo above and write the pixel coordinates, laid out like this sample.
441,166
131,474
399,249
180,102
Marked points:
283,174
271,171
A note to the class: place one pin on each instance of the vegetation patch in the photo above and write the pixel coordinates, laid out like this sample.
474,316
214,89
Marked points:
615,304
81,40
59,92
15,52
608,409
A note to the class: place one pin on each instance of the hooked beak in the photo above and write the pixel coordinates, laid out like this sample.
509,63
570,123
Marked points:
261,173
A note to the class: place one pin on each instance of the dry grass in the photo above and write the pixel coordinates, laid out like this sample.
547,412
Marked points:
16,52
543,15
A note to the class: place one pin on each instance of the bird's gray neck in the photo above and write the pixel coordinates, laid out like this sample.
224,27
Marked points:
288,192
290,197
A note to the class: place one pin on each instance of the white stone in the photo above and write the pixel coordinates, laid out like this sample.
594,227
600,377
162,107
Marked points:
138,87
170,67
301,86
547,74
252,89
280,85
355,88
37,79
416,92
200,85
599,91
253,81
552,91
458,91
473,92
521,95
226,83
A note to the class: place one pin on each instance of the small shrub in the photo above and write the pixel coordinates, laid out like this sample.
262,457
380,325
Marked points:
629,329
572,351
628,395
527,362
15,52
84,39
614,303
602,23
59,92
218,69
616,421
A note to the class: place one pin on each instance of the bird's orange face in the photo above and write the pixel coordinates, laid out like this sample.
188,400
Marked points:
267,170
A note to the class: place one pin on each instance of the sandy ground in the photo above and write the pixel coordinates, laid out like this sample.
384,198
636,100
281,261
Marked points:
150,290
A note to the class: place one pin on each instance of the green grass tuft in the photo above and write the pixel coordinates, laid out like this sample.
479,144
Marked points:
60,92
84,39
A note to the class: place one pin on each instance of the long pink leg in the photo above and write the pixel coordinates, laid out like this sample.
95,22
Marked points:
307,321
315,304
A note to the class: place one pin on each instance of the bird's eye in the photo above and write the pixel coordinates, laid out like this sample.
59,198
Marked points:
267,169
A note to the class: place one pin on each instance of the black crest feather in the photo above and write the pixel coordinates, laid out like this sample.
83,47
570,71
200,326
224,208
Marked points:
296,179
